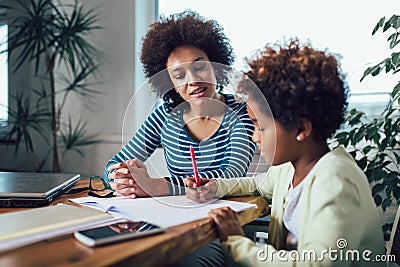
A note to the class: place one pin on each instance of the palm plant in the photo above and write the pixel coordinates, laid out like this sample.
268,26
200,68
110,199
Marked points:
52,34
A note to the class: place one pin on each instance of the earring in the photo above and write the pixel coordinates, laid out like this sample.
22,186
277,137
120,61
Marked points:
298,138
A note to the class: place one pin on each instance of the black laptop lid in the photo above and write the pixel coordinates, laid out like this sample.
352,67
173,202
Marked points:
33,189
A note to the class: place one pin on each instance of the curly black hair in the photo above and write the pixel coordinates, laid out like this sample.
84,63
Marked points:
185,28
299,81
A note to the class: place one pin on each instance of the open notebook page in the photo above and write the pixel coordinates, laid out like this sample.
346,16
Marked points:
162,211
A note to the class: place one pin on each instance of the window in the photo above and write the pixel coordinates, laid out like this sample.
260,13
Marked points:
344,27
3,77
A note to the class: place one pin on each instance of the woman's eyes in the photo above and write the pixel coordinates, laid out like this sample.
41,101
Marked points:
196,67
179,76
199,67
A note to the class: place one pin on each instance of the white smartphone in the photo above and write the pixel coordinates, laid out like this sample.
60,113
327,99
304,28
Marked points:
116,232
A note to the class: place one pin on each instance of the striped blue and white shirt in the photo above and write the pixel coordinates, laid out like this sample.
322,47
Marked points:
227,153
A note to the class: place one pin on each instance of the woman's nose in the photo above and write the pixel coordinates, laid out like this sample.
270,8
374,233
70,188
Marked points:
192,77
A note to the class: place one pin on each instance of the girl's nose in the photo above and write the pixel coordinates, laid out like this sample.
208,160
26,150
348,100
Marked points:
257,137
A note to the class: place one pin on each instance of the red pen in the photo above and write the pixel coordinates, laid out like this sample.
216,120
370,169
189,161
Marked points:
195,172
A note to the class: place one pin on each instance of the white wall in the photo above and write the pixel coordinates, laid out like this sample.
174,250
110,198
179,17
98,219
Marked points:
125,22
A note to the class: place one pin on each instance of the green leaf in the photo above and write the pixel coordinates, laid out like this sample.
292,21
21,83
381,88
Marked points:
395,19
378,25
342,135
366,73
388,190
366,149
376,189
396,58
376,138
360,134
362,163
386,203
342,138
387,162
394,41
353,111
396,90
388,127
378,200
378,174
383,145
387,25
396,192
356,118
393,35
376,70
393,142
393,176
371,132
75,137
353,154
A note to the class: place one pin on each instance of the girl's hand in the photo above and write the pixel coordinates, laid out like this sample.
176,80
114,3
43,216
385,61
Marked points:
227,222
203,193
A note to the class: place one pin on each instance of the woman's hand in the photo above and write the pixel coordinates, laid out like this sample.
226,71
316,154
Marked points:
122,181
143,185
227,222
125,183
203,193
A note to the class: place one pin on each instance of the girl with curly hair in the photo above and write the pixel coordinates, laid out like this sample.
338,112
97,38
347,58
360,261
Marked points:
322,210
186,59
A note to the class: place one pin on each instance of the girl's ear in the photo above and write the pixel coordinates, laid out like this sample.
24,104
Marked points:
304,129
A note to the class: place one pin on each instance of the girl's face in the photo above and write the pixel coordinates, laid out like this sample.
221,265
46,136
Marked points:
277,145
192,74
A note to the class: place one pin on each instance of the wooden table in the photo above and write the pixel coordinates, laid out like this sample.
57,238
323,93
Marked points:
158,250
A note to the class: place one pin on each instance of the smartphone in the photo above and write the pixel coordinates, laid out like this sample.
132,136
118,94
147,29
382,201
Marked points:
116,232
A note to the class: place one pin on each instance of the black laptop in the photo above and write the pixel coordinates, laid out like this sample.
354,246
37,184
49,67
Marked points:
22,189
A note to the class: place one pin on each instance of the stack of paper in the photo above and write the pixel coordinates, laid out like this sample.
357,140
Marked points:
161,211
26,227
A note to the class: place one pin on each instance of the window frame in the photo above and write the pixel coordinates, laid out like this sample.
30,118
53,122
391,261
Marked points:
376,97
4,124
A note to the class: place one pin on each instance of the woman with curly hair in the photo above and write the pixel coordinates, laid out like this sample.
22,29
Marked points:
322,208
186,58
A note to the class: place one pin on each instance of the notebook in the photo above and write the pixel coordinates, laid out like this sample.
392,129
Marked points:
161,211
29,226
21,189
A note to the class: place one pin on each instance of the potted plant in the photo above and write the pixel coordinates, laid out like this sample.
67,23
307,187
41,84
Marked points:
53,36
375,142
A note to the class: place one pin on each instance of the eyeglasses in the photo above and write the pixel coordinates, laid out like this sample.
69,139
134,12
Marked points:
96,183
96,186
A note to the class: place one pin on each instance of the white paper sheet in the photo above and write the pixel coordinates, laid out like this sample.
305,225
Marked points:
162,211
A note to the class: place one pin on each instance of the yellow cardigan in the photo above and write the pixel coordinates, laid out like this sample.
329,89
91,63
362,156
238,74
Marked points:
338,219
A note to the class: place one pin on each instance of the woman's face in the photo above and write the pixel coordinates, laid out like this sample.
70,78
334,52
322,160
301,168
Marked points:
192,74
275,143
